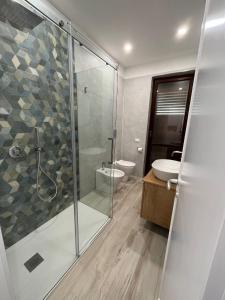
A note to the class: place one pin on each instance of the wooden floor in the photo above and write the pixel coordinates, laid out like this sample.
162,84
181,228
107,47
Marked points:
124,262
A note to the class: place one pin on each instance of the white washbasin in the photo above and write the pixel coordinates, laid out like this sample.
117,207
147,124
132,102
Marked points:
165,169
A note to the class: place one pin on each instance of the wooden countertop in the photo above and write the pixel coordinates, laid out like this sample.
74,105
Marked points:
150,178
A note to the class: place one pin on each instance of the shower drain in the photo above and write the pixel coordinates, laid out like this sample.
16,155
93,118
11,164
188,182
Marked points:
33,262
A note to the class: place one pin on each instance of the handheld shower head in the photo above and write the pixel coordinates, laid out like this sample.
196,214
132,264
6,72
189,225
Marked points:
38,146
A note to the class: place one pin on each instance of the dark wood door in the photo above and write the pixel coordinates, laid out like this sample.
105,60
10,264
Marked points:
170,101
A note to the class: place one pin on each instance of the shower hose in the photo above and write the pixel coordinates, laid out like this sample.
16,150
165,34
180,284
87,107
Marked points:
41,171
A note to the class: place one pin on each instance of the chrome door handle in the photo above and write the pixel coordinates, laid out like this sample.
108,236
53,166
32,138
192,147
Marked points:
170,182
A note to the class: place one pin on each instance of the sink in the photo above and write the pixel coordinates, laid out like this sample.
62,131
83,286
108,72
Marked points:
165,169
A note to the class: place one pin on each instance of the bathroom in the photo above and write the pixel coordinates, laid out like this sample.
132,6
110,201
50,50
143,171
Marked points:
111,174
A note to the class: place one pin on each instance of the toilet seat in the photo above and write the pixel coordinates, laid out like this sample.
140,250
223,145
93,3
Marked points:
125,163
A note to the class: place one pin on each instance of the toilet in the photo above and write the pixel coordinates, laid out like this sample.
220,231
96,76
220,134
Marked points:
126,166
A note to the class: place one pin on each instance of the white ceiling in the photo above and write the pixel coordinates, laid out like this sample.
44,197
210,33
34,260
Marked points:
150,25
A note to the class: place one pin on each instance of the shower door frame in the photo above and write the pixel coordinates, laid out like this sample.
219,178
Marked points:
47,11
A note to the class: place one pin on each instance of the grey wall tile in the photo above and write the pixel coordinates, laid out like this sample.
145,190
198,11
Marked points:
135,119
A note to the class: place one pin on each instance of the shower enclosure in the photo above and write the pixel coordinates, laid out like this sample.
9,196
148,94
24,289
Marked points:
56,131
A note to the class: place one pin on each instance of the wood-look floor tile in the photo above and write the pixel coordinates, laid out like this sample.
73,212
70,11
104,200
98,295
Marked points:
124,262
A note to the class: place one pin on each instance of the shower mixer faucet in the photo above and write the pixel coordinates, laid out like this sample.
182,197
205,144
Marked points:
16,152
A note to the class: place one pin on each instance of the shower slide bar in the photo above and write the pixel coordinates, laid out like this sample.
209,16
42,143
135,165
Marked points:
40,171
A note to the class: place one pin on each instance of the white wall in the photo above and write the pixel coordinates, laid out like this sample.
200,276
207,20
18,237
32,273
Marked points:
136,104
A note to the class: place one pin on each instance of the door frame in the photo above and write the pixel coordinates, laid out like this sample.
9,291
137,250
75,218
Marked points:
156,80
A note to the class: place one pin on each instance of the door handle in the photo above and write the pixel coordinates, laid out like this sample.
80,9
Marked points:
170,182
112,146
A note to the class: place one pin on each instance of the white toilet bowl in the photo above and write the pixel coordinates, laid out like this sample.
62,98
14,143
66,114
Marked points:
126,166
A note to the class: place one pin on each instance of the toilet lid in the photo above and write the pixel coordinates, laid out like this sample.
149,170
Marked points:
125,163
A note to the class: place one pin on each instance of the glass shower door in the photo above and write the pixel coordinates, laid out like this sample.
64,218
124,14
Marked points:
94,99
36,176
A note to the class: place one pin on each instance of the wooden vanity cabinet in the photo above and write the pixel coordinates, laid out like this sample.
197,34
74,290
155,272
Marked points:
157,201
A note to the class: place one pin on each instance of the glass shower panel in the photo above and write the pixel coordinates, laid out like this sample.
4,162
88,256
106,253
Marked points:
36,176
94,97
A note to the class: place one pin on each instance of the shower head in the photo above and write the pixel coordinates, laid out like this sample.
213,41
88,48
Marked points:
18,16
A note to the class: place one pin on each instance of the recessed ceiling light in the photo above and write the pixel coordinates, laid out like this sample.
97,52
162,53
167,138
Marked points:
180,88
182,31
128,47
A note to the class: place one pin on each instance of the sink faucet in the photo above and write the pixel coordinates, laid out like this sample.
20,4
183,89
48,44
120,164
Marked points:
176,152
103,165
